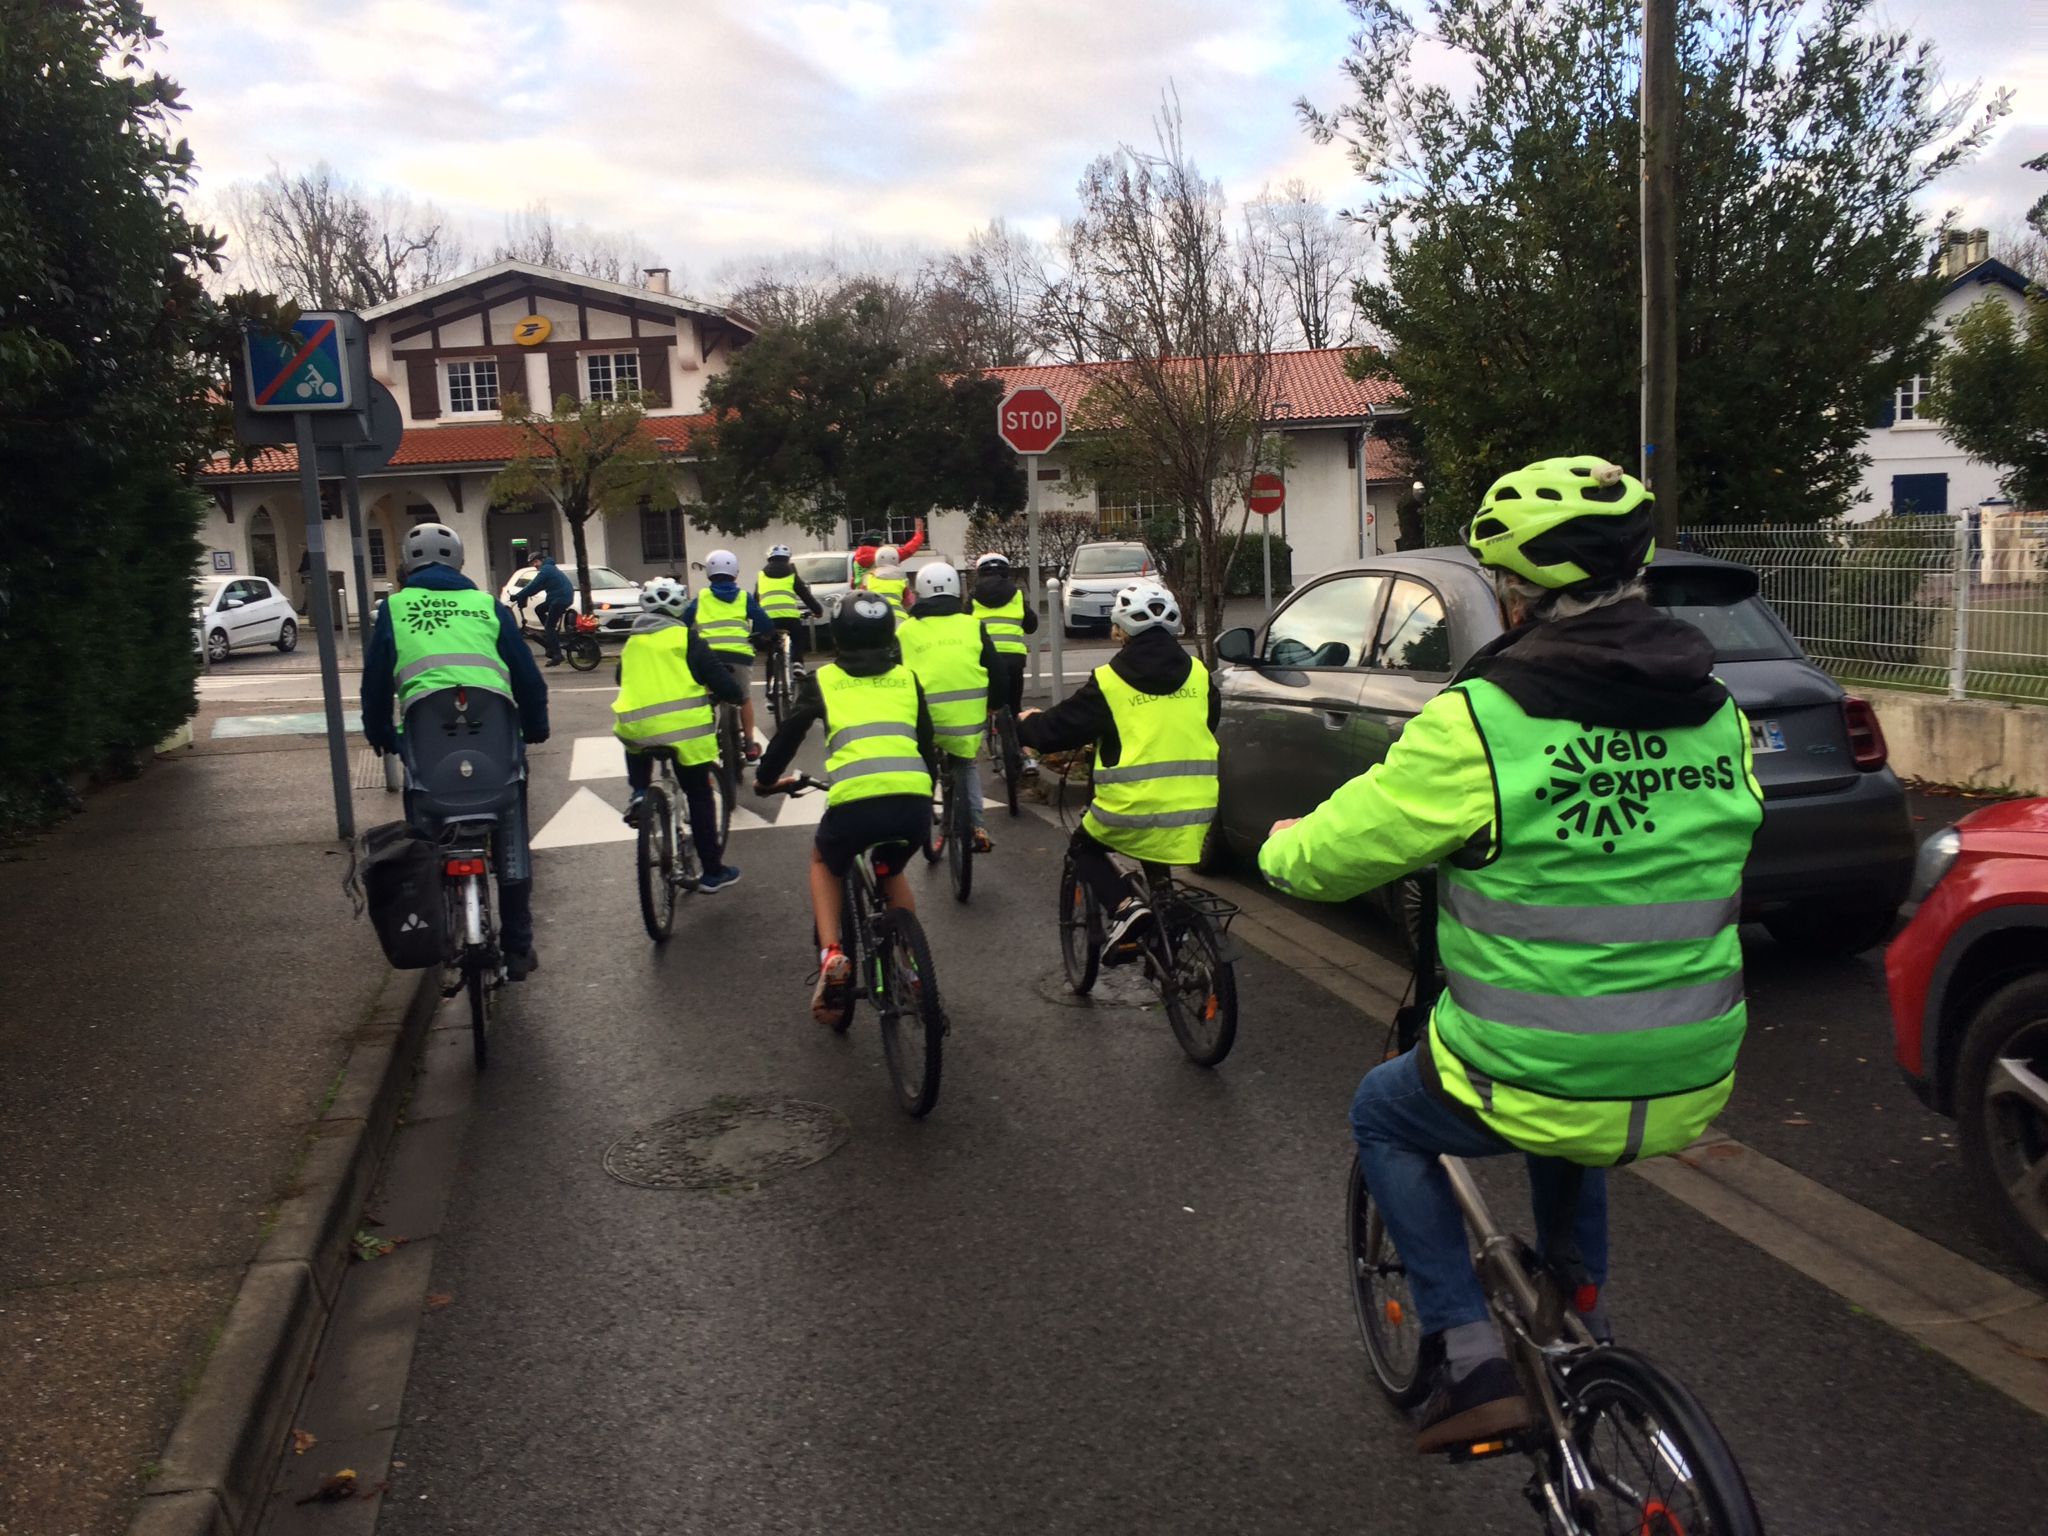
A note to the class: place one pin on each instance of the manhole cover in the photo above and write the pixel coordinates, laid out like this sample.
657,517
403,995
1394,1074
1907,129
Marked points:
1121,986
731,1142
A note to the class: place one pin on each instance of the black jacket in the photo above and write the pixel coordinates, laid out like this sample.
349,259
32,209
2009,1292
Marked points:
1152,662
994,591
711,673
938,608
781,566
1627,666
809,709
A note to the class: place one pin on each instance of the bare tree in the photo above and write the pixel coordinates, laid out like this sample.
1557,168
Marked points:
1315,260
320,241
1153,280
982,303
534,234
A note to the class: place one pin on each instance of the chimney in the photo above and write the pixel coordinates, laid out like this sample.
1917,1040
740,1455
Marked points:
657,279
1978,248
1955,244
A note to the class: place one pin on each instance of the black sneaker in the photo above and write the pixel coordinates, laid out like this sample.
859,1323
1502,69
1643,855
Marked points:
1128,924
1487,1404
521,963
632,815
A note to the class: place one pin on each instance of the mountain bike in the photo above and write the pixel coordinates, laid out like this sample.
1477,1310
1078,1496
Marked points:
731,765
951,832
1186,951
665,852
1003,751
477,963
892,966
781,677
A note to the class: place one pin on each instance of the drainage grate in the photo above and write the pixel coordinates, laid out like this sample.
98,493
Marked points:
733,1143
1116,987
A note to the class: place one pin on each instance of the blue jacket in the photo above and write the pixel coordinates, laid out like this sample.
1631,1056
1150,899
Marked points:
380,666
727,589
553,583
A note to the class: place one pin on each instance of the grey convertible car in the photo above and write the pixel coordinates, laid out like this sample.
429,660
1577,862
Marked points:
1318,694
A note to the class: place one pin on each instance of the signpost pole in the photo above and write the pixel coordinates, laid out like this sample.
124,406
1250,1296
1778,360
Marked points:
1036,586
323,626
1266,548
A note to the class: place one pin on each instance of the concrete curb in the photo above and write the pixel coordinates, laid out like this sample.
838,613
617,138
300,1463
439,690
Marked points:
217,1465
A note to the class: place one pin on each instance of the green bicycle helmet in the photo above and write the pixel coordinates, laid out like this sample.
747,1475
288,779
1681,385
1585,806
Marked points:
1565,523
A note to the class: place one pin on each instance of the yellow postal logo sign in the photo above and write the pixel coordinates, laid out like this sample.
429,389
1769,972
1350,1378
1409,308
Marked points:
533,330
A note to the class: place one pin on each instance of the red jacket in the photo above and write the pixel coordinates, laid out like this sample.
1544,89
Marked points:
864,557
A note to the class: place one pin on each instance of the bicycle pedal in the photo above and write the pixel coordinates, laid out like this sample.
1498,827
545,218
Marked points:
1487,1450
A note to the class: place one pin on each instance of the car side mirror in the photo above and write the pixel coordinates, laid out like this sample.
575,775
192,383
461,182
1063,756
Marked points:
230,602
1238,646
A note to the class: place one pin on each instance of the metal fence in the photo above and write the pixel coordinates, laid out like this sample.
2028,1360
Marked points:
1955,605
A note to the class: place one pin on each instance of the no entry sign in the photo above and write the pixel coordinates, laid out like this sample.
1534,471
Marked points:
1030,420
1268,494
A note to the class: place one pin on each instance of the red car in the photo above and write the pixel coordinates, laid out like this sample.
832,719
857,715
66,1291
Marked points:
1969,989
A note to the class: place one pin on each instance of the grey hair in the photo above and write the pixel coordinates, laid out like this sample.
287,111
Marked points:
1542,604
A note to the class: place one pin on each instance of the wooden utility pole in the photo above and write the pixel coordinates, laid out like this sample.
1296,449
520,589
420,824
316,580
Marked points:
1659,115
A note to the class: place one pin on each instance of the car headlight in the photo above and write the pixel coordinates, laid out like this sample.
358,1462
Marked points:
1937,855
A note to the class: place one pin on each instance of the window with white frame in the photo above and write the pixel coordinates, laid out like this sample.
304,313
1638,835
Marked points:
1127,515
1911,393
472,385
610,375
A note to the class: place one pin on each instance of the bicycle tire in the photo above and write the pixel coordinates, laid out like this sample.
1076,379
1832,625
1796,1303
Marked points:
913,1022
689,869
1206,1032
1013,757
479,1010
934,847
1080,931
850,922
778,682
1387,1322
1616,1385
654,854
584,652
959,840
731,764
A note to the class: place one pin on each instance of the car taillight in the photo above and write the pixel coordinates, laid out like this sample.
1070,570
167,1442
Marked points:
1866,736
463,867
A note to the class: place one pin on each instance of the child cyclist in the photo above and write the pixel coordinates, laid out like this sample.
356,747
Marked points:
731,622
668,681
785,598
878,743
955,662
1151,713
998,603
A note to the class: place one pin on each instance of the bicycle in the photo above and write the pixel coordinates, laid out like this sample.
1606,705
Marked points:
579,640
478,963
781,678
951,832
665,853
731,765
1186,951
1003,751
900,980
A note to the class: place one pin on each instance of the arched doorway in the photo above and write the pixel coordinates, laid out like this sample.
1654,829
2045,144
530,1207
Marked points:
263,547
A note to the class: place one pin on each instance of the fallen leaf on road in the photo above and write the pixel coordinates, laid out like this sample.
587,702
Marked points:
1799,1120
367,1245
2028,1354
437,1299
334,1488
302,1441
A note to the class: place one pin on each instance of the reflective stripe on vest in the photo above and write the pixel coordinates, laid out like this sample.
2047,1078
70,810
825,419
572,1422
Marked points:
1159,799
1005,626
889,589
778,597
944,650
660,702
724,625
1594,1005
445,640
871,735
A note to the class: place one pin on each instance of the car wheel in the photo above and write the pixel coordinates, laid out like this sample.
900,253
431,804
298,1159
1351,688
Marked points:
1217,857
217,645
1837,931
2002,1111
288,637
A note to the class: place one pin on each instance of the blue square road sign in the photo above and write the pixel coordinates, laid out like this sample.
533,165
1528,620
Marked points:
309,371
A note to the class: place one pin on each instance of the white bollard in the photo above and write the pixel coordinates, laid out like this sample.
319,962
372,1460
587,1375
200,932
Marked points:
1056,689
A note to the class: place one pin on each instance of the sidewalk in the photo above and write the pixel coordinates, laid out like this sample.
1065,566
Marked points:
183,981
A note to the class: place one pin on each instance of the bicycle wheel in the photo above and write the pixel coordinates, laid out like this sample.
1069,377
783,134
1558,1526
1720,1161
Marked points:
959,839
655,858
1659,1465
583,651
913,1024
851,917
1379,1295
480,991
1199,988
1080,931
731,764
941,819
1013,756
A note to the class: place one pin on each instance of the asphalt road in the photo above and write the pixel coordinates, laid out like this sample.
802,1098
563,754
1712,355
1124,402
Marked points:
1100,1289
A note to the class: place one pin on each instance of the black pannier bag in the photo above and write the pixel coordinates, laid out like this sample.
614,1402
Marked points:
400,872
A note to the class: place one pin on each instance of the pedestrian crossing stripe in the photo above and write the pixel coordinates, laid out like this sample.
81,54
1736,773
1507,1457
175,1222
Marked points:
601,757
587,818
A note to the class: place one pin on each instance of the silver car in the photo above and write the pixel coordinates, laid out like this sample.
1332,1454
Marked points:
1321,691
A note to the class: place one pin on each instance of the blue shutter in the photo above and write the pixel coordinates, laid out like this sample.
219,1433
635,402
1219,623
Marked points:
1920,494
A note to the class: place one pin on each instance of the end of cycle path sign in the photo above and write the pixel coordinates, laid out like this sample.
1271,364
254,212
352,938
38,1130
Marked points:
312,368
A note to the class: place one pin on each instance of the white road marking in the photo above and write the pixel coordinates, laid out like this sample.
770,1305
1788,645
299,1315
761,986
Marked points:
596,757
584,819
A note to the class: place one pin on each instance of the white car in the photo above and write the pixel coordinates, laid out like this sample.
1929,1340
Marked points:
614,599
829,574
1101,571
232,613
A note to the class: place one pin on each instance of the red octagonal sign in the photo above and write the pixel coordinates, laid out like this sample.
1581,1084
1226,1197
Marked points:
1030,420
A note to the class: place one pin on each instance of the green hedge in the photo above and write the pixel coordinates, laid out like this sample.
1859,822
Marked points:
1247,576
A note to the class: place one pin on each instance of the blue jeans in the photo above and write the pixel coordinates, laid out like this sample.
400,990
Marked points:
1402,1128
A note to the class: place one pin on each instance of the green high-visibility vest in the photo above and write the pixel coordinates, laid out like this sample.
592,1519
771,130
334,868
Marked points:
778,596
871,735
1157,802
889,589
1594,1000
944,650
725,625
1005,626
660,702
446,640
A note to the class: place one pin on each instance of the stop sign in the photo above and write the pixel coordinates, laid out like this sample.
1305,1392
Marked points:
1030,420
1267,495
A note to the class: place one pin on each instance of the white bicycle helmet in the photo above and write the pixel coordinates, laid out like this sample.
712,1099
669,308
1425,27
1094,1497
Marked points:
779,552
888,554
938,580
665,595
992,561
722,562
1145,605
431,544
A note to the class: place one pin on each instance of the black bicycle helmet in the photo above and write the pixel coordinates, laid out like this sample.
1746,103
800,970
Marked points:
864,622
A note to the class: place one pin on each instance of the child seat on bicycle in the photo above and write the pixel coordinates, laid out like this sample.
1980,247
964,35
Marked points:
955,663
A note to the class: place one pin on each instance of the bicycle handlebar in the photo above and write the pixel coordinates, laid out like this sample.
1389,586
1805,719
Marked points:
796,784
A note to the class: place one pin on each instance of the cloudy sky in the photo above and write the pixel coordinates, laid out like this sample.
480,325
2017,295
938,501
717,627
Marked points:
716,129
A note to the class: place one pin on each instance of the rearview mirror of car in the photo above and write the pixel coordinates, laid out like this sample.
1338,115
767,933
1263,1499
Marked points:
1237,646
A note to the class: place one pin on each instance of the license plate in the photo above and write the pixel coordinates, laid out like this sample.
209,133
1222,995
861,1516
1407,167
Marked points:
1764,736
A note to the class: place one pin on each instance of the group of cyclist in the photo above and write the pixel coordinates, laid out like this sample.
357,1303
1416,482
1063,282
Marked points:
1594,1000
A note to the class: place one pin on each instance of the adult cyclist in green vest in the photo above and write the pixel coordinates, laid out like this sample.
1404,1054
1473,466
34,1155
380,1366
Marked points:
732,623
785,598
669,680
1585,786
878,743
438,631
999,604
955,662
1151,713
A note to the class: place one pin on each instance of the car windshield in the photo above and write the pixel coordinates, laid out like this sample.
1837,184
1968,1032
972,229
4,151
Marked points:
601,576
207,588
1110,560
821,568
1721,606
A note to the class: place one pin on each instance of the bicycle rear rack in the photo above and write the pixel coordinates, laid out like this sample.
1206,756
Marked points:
1196,899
